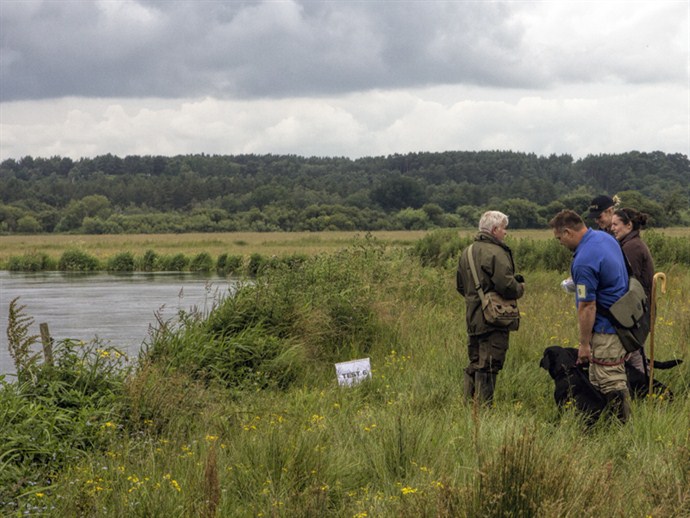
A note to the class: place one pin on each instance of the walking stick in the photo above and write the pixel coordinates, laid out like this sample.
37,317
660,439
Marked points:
652,316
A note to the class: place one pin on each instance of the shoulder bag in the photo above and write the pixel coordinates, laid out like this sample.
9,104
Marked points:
627,315
497,311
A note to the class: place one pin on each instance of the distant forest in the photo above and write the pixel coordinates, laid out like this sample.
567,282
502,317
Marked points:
221,193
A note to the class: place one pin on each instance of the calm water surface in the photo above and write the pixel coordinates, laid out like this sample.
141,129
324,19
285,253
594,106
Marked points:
116,308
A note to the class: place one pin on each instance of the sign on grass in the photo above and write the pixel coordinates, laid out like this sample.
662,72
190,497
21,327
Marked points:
352,372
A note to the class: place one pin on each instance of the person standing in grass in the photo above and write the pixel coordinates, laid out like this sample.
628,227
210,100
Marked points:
601,278
601,211
495,268
626,225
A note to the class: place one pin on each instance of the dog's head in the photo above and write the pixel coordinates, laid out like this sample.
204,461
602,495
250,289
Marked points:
557,360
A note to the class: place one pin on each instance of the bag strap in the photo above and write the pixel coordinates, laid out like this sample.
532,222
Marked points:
477,286
605,312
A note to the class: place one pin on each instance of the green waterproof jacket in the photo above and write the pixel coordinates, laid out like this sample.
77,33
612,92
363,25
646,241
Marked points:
496,272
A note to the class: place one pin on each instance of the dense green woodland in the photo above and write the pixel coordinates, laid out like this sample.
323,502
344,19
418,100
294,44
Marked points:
209,193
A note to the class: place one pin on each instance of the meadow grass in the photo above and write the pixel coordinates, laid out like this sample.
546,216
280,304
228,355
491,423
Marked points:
45,251
243,243
268,243
280,438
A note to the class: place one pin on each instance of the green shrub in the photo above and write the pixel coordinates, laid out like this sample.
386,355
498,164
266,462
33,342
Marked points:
75,260
539,254
122,262
28,225
250,359
296,311
149,261
440,247
56,413
443,248
175,263
324,303
221,263
294,260
230,264
256,264
201,262
667,250
30,262
234,264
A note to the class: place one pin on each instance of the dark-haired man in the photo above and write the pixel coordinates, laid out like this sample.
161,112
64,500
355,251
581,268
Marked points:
600,276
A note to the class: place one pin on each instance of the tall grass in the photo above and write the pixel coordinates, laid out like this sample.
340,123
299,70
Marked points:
237,412
54,414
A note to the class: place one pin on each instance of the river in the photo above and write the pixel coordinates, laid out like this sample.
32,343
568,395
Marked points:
118,309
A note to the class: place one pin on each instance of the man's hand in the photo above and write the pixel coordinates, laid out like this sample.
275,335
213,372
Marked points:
584,353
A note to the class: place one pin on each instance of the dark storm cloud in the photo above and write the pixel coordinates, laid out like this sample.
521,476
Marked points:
254,49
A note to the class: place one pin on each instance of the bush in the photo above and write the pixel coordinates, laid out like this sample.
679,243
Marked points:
256,264
252,358
75,260
175,263
122,262
56,413
294,261
229,264
323,303
530,254
149,261
28,225
31,262
440,247
667,250
443,247
202,262
221,263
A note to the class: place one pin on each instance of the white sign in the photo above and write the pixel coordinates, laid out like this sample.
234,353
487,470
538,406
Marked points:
352,372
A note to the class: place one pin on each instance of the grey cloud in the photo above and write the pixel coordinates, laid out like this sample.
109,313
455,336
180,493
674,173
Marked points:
277,49
251,49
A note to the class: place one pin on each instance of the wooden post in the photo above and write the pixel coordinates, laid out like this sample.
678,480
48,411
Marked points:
47,344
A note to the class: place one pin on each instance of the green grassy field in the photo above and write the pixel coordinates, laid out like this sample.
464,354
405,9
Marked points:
242,243
238,412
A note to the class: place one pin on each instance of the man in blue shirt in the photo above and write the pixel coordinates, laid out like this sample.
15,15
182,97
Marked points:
601,278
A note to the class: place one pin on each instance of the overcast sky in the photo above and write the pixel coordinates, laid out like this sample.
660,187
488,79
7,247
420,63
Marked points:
343,78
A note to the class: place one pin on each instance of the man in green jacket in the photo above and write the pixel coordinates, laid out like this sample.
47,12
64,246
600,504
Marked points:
488,344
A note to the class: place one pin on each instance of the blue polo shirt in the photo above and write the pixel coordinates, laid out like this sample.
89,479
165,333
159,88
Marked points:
599,273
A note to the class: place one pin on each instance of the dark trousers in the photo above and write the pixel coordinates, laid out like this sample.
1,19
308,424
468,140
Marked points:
487,354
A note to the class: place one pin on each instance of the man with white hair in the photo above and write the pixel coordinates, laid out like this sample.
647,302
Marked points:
488,344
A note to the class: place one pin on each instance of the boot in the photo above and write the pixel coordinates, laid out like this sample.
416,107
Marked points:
485,383
469,386
618,404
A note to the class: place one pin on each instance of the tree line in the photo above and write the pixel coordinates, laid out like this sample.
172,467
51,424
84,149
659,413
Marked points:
214,193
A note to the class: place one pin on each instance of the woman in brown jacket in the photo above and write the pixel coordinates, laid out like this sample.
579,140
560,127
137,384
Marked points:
625,225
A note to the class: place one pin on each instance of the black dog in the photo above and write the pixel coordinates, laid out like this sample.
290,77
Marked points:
573,385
